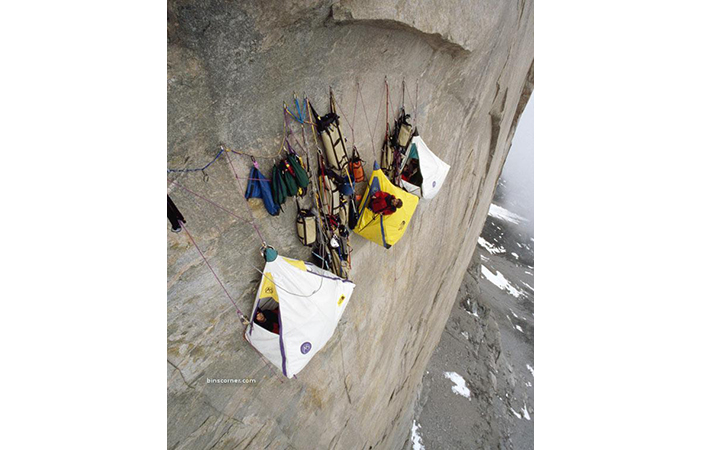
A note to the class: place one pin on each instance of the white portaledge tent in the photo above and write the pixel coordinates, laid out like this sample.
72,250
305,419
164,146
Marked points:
310,301
431,174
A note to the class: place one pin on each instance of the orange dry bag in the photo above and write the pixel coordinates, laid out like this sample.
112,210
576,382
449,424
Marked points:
357,167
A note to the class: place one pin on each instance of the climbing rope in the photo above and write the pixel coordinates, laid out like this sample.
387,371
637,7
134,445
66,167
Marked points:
371,132
200,169
175,183
416,105
223,149
412,103
241,316
350,124
243,194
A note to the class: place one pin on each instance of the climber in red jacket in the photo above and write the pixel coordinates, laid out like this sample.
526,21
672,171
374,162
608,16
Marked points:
268,319
384,203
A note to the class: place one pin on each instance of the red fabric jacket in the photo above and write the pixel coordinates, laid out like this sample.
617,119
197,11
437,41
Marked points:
380,203
271,324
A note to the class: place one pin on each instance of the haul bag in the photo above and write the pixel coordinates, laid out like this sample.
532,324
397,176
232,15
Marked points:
405,135
330,195
306,227
334,146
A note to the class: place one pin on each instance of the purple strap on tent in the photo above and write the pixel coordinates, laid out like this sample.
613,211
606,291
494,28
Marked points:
282,347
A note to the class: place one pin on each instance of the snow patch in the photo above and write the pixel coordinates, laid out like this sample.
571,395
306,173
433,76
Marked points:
501,213
519,328
492,249
416,438
525,413
531,369
515,255
469,310
500,281
519,416
460,387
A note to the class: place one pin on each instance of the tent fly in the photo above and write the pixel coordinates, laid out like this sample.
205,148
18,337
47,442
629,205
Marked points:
310,302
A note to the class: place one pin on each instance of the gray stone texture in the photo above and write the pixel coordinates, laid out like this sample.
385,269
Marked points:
231,65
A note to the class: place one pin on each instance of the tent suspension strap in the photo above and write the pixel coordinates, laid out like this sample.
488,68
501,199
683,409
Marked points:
242,318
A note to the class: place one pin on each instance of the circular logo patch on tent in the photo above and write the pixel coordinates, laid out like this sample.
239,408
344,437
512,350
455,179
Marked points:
305,348
433,184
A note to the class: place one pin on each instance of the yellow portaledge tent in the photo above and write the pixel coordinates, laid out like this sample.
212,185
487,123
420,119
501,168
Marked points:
385,230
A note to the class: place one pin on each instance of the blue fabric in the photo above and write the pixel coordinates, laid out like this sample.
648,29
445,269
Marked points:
374,187
346,189
260,187
382,233
413,152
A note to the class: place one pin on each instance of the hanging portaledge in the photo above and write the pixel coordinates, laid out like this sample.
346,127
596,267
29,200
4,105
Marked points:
422,172
381,229
308,303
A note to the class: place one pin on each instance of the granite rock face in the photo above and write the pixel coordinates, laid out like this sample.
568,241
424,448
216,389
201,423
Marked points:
231,65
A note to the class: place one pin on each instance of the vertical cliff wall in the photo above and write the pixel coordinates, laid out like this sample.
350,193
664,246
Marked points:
231,65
